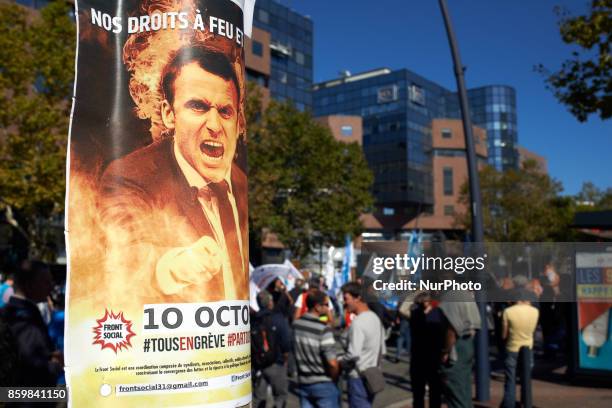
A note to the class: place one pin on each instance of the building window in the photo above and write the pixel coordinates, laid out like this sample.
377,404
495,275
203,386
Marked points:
387,94
449,210
388,211
299,58
264,17
446,133
346,130
257,48
416,94
448,181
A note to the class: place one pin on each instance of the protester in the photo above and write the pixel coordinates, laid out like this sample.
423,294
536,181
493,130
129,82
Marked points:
315,354
462,319
270,346
283,303
366,344
314,284
298,288
426,348
519,324
403,323
552,312
371,298
38,363
58,316
6,290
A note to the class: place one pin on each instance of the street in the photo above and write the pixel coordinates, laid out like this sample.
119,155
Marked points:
550,388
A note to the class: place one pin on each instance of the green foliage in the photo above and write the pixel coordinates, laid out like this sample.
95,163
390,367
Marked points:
521,206
591,198
37,54
584,82
303,184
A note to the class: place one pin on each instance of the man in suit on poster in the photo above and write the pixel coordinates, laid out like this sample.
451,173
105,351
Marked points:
175,211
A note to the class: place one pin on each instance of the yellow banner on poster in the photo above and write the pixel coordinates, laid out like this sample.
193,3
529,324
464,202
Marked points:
601,293
158,298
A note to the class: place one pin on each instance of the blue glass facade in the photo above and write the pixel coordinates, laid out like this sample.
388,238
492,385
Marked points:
397,108
494,109
291,47
33,3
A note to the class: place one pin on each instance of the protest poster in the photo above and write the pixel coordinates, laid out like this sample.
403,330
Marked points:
156,224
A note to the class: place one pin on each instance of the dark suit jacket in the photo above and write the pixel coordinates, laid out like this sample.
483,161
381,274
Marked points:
34,346
147,207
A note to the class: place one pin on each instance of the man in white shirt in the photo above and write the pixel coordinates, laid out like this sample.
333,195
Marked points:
366,344
175,211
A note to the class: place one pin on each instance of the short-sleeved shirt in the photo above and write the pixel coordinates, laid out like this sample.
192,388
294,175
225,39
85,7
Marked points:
314,347
522,321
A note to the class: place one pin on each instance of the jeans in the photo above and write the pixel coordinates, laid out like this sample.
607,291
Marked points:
403,339
510,364
319,395
276,376
358,394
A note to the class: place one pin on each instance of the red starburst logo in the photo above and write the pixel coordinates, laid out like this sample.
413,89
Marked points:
113,331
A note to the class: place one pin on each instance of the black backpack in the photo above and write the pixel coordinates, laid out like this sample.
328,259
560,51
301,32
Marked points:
265,349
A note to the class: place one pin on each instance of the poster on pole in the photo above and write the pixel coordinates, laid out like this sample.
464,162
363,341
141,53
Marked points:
156,220
594,302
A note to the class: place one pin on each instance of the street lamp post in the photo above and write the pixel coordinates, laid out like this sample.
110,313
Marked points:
482,340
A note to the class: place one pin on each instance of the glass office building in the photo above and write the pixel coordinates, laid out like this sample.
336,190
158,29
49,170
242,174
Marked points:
397,108
494,108
33,3
291,47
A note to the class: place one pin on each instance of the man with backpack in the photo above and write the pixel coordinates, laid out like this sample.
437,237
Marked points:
270,345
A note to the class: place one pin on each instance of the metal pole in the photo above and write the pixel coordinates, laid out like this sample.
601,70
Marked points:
482,340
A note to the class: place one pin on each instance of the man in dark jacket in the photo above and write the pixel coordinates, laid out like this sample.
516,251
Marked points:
38,364
274,331
175,211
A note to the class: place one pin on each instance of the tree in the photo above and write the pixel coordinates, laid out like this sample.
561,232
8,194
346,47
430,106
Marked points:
304,185
584,82
521,206
592,198
37,54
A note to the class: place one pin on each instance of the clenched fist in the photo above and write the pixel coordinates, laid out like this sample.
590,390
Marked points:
192,265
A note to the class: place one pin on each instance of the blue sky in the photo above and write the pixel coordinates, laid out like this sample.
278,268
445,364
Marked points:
499,41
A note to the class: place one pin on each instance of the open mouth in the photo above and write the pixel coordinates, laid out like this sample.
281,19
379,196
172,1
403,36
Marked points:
212,149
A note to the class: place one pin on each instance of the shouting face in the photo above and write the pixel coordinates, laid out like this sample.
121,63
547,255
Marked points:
204,116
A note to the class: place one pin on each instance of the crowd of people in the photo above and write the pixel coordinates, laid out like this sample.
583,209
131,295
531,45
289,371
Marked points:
323,343
333,341
335,344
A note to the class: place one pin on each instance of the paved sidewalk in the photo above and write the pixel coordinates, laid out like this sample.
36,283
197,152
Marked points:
550,389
